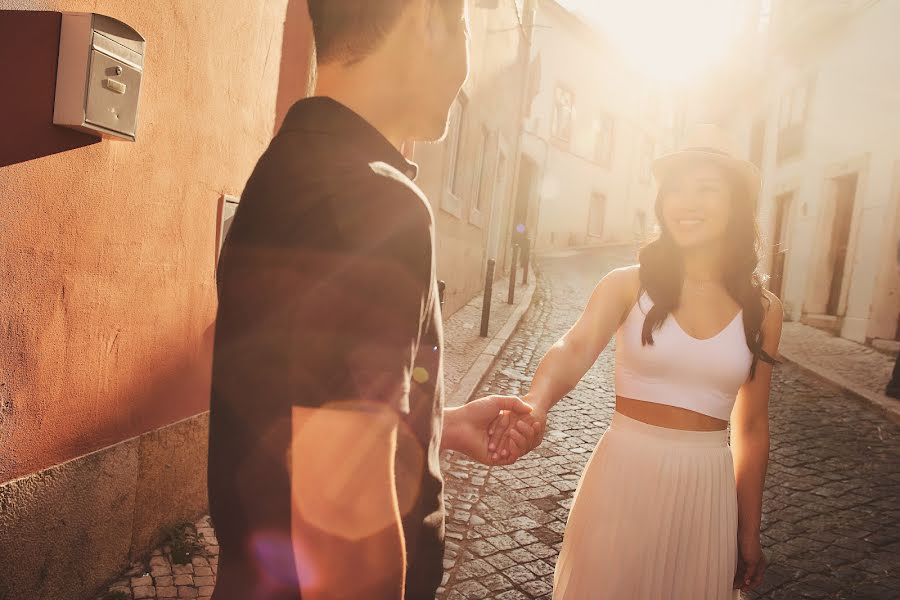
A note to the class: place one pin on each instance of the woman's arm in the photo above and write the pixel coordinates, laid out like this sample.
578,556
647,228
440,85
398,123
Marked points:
750,445
570,358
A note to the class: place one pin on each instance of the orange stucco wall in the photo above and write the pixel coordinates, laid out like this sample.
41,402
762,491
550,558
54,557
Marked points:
107,251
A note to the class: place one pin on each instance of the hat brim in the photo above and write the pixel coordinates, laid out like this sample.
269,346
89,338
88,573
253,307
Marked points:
746,170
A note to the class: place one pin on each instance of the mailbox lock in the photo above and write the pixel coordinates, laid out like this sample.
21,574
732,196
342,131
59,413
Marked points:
118,70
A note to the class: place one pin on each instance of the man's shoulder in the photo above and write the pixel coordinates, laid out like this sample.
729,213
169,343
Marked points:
306,180
313,160
394,185
375,202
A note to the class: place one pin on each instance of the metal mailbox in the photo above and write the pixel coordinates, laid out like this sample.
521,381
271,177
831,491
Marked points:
98,78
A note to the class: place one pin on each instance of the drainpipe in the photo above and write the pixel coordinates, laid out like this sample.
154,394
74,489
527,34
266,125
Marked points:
529,11
529,20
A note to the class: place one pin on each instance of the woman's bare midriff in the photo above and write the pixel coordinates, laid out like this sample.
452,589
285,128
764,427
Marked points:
670,417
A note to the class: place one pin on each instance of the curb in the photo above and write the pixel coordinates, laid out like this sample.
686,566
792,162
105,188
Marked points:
476,374
884,405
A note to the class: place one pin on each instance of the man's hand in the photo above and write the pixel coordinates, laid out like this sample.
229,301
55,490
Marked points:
507,433
466,428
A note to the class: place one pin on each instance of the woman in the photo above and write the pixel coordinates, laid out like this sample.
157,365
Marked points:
665,508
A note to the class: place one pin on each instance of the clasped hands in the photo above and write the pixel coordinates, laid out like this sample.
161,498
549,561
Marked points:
494,430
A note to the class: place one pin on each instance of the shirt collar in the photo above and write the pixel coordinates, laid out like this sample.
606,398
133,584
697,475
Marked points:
321,114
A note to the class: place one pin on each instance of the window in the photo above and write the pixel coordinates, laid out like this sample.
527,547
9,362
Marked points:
603,149
563,112
792,114
454,145
597,217
481,170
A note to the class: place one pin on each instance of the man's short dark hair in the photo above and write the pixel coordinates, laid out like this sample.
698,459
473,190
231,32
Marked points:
348,30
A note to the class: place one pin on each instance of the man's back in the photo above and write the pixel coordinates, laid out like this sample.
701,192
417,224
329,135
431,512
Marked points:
326,296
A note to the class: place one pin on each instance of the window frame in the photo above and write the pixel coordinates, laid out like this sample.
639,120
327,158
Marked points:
555,114
604,144
603,201
451,196
477,212
793,115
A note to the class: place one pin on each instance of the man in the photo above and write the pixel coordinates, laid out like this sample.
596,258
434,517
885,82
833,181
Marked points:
327,411
893,387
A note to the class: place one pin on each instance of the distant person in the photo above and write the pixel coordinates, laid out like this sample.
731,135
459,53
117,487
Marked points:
327,414
665,507
893,387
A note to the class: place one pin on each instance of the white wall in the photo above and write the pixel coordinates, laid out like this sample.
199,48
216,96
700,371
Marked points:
573,56
852,126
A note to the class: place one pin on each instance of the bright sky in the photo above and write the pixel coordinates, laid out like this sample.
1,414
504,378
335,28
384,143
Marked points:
671,41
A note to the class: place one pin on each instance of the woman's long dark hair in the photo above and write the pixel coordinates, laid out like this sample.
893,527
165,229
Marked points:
662,271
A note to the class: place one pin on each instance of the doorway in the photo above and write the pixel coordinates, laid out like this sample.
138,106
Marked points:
779,242
597,215
500,205
840,238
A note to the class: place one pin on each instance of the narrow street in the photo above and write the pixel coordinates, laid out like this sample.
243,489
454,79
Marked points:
832,504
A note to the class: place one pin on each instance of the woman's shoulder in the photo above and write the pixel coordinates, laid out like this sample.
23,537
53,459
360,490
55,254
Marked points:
626,282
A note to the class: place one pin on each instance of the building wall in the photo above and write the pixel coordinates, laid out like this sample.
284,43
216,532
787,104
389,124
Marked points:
850,128
492,95
573,56
108,260
296,78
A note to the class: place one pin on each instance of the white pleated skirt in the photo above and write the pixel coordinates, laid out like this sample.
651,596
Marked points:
654,518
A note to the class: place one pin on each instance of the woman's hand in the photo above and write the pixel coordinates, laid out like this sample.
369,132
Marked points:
466,428
752,563
512,436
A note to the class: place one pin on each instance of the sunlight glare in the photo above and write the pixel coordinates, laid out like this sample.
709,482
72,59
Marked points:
668,41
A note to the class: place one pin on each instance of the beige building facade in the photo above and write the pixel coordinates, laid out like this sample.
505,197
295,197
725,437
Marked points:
591,130
823,127
469,176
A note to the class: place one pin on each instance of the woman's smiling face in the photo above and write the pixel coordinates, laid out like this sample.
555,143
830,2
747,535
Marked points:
696,204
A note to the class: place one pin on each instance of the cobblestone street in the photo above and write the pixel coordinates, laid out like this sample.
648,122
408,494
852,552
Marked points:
832,504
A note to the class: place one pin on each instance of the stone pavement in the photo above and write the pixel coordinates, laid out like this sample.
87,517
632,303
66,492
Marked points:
463,344
832,502
859,364
158,577
859,369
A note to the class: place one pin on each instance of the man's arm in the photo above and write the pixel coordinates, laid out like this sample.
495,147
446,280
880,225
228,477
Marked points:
466,428
345,516
355,333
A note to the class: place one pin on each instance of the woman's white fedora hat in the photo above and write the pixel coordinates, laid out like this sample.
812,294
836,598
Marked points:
709,142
